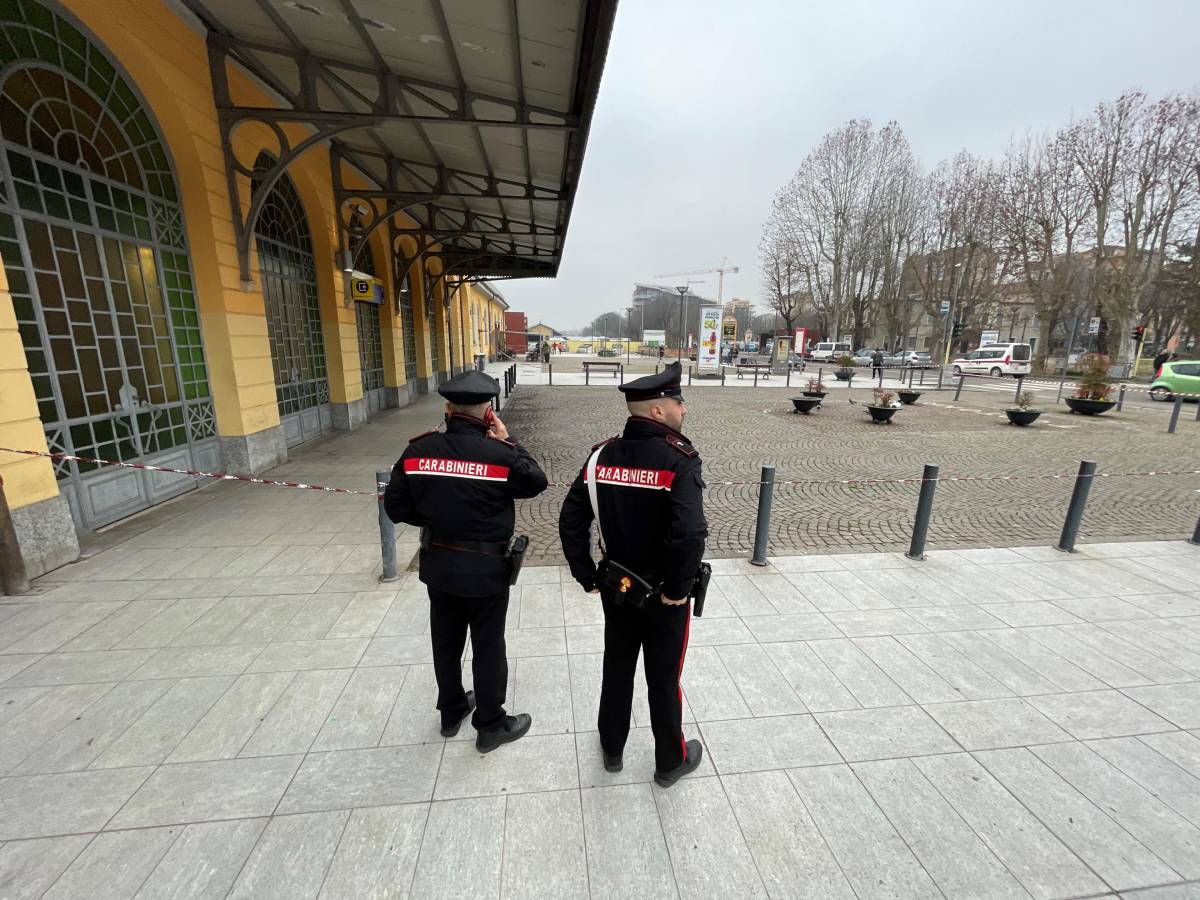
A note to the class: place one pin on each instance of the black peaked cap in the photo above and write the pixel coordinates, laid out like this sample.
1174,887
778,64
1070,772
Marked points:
470,387
651,387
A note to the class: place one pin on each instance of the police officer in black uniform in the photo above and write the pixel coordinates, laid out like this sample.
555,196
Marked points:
651,504
459,486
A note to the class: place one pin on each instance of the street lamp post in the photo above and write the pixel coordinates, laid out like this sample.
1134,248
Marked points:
628,329
682,291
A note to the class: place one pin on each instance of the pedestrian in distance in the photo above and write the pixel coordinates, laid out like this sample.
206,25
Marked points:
645,489
662,351
1161,360
545,351
876,363
458,486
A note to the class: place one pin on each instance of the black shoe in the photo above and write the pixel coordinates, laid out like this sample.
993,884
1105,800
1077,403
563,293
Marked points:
612,763
449,731
511,728
695,752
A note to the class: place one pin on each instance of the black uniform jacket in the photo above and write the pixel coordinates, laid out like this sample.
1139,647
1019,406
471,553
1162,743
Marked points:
651,499
461,484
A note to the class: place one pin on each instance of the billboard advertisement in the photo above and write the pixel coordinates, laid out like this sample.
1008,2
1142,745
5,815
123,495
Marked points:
728,330
709,354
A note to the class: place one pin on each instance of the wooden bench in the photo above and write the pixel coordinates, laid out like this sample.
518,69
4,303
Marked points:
618,369
741,367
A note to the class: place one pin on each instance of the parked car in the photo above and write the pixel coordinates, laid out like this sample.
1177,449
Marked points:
827,351
1178,377
909,358
996,360
862,357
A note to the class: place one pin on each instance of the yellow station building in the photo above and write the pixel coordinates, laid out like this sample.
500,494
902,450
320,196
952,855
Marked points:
227,226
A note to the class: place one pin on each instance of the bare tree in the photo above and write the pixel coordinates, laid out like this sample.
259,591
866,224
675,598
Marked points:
846,216
781,273
1139,160
959,262
1043,212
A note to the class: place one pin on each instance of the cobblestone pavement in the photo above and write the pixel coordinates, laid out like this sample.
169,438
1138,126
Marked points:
228,703
737,431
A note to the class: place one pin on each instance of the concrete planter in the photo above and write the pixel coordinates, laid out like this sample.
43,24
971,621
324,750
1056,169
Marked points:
908,397
882,414
805,404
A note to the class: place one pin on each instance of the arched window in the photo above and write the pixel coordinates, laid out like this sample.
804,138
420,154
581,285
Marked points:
95,250
289,284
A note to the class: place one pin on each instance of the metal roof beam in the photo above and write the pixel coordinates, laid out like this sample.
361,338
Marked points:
310,66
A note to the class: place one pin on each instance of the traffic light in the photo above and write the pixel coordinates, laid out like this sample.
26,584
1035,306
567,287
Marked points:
959,328
1139,333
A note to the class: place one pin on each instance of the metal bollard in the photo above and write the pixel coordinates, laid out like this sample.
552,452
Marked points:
689,376
1020,382
722,376
387,531
916,549
787,381
1121,398
1176,408
1195,538
551,372
1198,411
1083,484
756,376
958,393
587,374
941,373
762,524
922,382
911,374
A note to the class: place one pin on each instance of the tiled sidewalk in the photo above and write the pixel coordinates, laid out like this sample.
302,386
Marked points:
230,704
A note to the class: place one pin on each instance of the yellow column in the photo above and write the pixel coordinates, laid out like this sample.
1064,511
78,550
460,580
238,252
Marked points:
45,531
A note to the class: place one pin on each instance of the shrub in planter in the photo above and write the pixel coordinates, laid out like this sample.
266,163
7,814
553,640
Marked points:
845,369
1021,414
1092,394
884,406
816,388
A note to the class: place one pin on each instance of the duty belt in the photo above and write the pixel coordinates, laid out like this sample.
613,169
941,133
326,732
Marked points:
487,548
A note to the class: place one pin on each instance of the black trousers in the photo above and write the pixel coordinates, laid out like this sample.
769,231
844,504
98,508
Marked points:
450,616
660,633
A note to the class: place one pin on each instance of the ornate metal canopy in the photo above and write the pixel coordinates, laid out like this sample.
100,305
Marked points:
469,116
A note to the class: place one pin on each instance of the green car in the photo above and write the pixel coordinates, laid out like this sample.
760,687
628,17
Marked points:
1178,377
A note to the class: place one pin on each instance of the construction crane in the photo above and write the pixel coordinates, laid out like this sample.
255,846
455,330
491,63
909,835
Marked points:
719,271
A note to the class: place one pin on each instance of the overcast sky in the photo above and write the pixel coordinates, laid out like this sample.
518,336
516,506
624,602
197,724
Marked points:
707,108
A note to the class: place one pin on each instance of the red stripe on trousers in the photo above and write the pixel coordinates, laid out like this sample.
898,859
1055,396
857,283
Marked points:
687,630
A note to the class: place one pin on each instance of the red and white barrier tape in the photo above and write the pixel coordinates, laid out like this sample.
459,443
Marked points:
940,478
222,476
219,476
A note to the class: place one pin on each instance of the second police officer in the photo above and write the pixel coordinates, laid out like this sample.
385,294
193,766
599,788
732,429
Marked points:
647,489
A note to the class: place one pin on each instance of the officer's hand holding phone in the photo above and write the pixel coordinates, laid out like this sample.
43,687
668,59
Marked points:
496,428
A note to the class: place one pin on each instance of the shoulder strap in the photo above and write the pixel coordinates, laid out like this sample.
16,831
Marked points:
590,475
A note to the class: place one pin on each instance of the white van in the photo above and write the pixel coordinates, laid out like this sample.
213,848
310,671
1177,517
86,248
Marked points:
996,360
830,350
